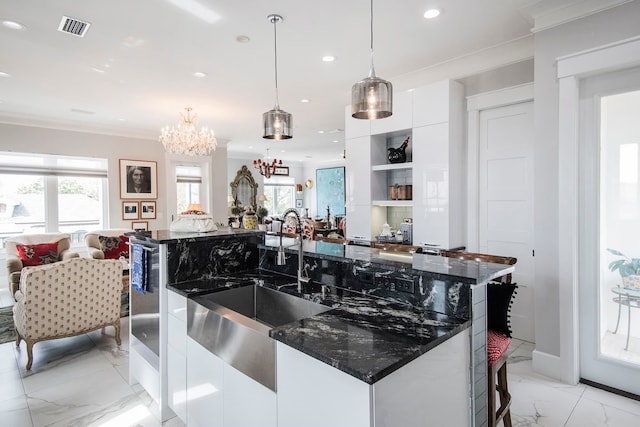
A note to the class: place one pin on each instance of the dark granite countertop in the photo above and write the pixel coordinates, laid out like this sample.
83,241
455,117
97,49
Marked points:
467,271
364,336
167,236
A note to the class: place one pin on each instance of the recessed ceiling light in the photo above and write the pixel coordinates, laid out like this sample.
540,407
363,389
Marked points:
250,147
431,13
3,74
320,131
283,151
121,119
200,74
335,141
13,25
243,39
97,70
328,58
305,100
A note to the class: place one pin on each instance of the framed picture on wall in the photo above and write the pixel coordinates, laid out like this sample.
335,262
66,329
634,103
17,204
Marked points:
140,225
148,210
130,210
138,179
281,170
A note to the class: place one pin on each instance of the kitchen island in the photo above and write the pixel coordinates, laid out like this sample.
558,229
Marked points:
394,348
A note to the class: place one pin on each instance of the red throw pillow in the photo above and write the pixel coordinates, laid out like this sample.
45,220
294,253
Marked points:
44,253
114,247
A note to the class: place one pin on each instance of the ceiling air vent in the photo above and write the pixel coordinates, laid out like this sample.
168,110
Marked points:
73,26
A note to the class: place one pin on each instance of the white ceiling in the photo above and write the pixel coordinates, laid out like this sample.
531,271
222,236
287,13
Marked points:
148,51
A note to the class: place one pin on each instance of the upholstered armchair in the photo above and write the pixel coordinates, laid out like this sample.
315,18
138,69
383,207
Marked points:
107,244
67,298
35,249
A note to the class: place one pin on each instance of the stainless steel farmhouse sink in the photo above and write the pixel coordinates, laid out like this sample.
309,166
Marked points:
234,325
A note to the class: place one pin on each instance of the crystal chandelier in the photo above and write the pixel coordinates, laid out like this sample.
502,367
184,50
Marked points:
187,139
266,167
371,97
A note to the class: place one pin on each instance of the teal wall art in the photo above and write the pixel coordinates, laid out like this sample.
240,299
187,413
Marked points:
330,190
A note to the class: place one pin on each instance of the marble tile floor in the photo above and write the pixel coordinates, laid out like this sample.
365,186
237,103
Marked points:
83,381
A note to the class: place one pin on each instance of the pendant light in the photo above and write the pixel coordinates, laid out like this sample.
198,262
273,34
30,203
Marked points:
276,123
371,97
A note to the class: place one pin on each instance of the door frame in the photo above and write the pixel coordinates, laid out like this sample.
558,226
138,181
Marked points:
570,70
476,104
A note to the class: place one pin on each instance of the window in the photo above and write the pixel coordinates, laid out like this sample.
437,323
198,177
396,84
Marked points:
280,194
42,193
188,186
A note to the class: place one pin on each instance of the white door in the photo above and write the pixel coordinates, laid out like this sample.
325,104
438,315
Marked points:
505,200
609,176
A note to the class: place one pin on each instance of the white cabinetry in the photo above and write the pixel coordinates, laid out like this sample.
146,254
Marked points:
437,189
177,354
432,117
431,390
219,395
400,119
354,128
204,382
247,402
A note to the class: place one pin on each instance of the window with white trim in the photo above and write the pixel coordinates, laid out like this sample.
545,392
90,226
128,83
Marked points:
43,193
280,193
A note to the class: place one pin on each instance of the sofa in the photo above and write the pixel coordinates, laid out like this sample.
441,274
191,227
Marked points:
67,298
34,249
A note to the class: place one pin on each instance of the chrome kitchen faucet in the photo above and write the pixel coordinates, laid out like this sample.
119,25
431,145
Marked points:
281,258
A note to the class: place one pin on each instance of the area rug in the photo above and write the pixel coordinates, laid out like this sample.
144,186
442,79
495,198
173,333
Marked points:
7,333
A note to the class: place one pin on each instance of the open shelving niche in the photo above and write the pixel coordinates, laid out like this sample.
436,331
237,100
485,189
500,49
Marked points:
385,175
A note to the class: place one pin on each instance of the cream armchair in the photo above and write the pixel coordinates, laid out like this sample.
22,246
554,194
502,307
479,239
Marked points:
95,247
14,263
67,298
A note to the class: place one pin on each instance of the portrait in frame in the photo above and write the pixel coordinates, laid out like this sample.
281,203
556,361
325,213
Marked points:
138,179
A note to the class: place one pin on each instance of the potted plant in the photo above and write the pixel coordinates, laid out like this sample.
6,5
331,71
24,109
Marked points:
629,269
262,214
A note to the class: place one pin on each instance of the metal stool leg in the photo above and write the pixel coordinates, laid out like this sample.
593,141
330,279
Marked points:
619,310
626,347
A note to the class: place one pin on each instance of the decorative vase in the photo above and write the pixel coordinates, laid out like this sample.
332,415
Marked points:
631,281
398,155
250,221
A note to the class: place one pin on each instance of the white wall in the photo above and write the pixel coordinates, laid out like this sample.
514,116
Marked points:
26,139
611,25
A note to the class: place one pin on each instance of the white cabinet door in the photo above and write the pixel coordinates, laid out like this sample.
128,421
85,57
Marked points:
177,355
354,128
431,185
401,117
431,103
358,171
314,394
247,402
358,222
204,387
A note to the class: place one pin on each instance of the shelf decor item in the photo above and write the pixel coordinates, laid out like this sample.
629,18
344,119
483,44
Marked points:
398,155
401,192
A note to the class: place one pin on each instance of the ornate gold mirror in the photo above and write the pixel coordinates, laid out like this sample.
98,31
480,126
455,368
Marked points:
244,188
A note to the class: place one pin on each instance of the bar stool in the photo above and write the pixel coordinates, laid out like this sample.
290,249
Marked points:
497,340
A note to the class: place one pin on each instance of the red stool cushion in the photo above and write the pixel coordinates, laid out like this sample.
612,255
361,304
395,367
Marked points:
497,344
